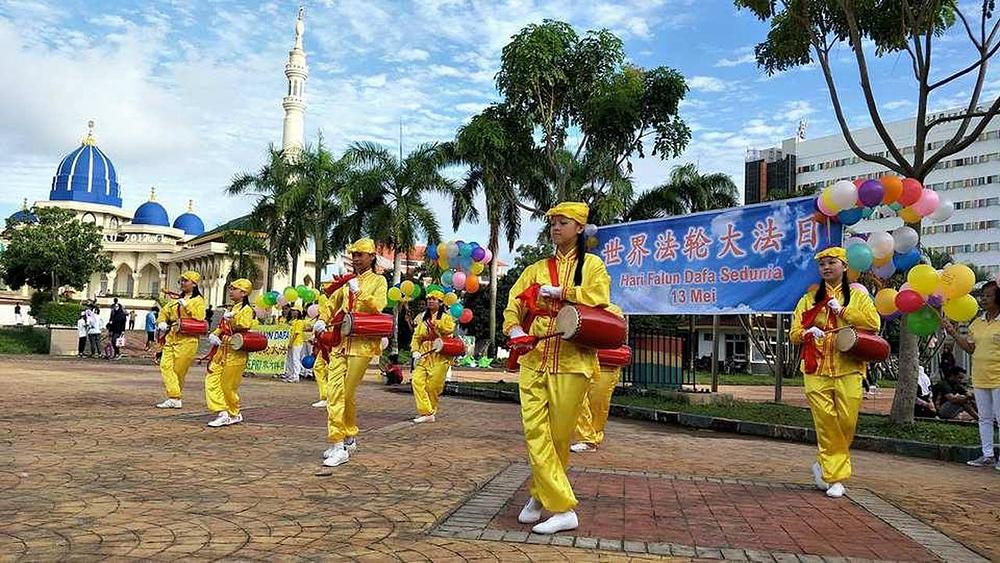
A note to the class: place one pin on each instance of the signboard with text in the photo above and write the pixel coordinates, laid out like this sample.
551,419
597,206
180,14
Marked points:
752,259
272,360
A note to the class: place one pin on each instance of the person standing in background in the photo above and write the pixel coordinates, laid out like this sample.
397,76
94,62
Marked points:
17,314
94,331
151,326
208,315
81,332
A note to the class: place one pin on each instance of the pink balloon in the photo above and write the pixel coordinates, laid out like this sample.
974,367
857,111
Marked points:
282,301
458,279
928,203
488,258
861,287
905,286
313,311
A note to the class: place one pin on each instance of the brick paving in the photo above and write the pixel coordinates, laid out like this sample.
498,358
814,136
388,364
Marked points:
89,470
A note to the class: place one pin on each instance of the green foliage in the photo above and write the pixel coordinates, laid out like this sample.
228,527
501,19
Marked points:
57,250
54,313
243,247
686,191
23,340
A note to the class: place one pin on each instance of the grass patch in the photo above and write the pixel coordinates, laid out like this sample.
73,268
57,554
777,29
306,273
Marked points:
933,432
23,340
705,378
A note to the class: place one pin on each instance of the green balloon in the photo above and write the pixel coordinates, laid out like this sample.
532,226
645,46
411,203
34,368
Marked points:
417,291
923,321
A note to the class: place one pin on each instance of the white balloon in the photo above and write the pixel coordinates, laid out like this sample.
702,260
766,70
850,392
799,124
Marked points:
905,238
854,240
882,244
844,195
944,211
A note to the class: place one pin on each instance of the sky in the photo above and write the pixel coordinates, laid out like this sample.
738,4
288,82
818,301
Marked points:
187,93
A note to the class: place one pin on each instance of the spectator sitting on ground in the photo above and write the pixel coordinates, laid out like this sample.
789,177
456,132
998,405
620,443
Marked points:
953,397
393,373
924,406
947,360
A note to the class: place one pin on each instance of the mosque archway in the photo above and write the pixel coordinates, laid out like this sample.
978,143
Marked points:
123,281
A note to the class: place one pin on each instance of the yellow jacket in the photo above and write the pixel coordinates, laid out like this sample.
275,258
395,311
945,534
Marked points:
243,318
423,337
194,308
556,355
297,332
861,314
371,298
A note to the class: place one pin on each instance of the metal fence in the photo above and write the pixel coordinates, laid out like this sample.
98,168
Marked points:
659,359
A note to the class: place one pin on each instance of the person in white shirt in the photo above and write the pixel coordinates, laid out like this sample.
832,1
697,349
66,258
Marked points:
81,332
94,332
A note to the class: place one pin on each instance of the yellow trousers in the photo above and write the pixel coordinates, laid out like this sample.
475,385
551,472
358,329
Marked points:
178,353
550,406
428,383
834,402
595,407
223,380
343,378
320,370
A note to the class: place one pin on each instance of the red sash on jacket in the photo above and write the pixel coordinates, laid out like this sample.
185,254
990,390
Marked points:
810,351
530,295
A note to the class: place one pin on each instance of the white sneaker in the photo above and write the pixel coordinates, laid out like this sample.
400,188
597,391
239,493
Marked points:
170,404
531,513
221,420
424,418
329,451
818,477
337,457
981,461
557,523
836,490
236,419
581,447
321,404
351,445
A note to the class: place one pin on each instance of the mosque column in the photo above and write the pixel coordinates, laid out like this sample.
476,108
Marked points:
135,284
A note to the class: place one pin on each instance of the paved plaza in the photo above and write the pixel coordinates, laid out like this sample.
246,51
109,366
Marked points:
89,470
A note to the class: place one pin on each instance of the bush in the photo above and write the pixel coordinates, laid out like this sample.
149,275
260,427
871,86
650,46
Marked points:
52,313
24,340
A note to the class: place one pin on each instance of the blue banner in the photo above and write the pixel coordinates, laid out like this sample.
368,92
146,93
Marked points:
751,259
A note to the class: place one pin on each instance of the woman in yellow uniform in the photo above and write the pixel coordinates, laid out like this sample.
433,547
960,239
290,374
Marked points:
329,308
179,349
832,378
555,374
597,403
365,293
225,373
431,367
296,343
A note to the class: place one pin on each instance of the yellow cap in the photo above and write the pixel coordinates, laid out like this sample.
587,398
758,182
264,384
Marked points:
297,307
435,294
575,210
833,252
243,285
365,245
191,276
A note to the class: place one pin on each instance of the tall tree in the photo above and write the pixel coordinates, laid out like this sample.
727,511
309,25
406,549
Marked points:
807,31
56,250
244,247
686,191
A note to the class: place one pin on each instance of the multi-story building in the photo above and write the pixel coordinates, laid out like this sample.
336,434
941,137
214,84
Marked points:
970,179
769,171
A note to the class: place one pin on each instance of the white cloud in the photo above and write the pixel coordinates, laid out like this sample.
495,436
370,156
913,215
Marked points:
707,84
795,110
897,104
412,55
741,56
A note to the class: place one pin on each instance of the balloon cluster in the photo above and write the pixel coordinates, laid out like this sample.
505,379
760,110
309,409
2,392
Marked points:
883,253
404,291
926,294
265,301
460,263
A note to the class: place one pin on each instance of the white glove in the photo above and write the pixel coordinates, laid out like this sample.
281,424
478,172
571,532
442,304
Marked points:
384,342
181,301
320,326
227,315
214,340
353,285
415,356
816,332
517,332
162,327
550,292
835,306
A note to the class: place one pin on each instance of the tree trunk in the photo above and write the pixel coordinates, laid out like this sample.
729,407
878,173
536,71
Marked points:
295,269
397,275
319,262
493,302
55,288
906,384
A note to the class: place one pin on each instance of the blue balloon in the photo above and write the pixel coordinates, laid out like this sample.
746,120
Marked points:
456,309
906,260
432,251
885,271
850,216
308,361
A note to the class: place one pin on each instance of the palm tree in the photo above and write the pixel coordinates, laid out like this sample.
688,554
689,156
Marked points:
689,191
387,197
269,186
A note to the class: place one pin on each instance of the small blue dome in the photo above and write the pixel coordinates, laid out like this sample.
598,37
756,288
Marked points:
23,216
86,175
190,223
151,213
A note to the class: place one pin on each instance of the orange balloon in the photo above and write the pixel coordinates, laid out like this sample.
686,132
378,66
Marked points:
853,275
893,188
908,215
472,284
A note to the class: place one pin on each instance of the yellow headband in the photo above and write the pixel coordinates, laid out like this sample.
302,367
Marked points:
833,252
365,245
435,294
243,285
193,277
575,210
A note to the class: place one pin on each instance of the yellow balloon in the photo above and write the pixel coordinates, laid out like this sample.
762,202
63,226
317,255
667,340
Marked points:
443,262
394,294
885,301
957,280
406,287
261,302
828,201
853,275
290,294
477,268
882,261
908,215
923,279
962,309
450,299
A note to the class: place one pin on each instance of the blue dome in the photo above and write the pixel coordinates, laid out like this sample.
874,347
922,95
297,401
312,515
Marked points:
190,223
86,175
151,213
23,216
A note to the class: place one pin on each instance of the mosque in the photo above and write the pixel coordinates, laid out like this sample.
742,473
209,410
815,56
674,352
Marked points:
148,250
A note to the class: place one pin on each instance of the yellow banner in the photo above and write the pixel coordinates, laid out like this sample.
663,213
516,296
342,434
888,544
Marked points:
272,360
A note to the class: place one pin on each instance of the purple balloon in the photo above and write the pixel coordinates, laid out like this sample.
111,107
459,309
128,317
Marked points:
871,193
894,316
935,301
478,254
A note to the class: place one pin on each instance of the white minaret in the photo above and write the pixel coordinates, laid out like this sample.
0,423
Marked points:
293,131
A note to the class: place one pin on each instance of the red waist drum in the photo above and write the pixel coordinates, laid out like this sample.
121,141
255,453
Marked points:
367,324
592,327
449,346
862,345
192,327
618,357
248,341
328,339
